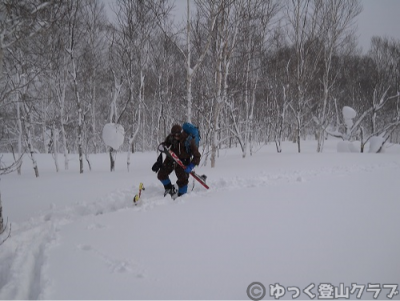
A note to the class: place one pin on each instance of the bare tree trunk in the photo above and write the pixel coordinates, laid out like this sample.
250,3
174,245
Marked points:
87,155
362,139
65,149
142,108
215,130
247,106
80,126
72,40
93,108
61,90
337,27
190,72
113,116
54,137
188,68
20,133
113,155
298,134
137,116
225,44
27,126
219,101
1,216
251,117
303,32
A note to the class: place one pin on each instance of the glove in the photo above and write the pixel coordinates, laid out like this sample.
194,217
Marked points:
161,147
156,166
189,168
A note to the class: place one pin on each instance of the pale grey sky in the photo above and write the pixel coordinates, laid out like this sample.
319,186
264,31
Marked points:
378,18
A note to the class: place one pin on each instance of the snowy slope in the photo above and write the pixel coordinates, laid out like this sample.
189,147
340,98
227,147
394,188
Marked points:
288,218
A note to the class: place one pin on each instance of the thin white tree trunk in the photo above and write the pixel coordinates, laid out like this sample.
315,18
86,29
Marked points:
134,132
1,215
113,118
27,126
54,137
19,123
247,109
216,109
79,107
93,107
188,69
73,73
61,98
251,118
190,72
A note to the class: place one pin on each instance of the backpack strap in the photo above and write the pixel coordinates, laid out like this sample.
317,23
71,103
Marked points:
187,143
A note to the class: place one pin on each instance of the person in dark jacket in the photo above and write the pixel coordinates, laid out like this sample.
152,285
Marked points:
190,158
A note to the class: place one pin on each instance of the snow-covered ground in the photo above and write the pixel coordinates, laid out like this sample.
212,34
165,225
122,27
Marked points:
293,221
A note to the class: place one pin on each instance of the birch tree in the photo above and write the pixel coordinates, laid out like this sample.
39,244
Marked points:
135,26
94,57
256,17
21,20
166,69
115,68
386,94
303,32
23,74
207,10
74,32
337,22
114,115
27,123
227,29
60,79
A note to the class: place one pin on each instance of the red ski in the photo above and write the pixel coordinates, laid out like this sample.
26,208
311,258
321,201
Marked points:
173,156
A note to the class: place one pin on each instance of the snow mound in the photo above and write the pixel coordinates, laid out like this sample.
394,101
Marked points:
349,113
113,135
346,147
375,144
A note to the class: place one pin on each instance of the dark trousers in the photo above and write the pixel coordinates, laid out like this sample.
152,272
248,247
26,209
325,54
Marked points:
168,167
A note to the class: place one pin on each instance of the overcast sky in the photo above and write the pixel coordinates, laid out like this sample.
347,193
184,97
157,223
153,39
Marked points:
379,17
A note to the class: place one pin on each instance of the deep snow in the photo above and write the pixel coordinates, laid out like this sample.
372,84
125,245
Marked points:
289,218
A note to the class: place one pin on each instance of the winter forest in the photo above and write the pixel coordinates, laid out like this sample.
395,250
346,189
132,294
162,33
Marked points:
246,72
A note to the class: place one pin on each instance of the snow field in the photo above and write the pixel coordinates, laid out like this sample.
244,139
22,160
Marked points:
287,218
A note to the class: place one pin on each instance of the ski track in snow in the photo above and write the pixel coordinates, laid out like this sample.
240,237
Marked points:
114,265
285,177
31,241
17,257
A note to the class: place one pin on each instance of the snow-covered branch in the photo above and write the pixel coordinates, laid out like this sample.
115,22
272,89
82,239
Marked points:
22,19
6,169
